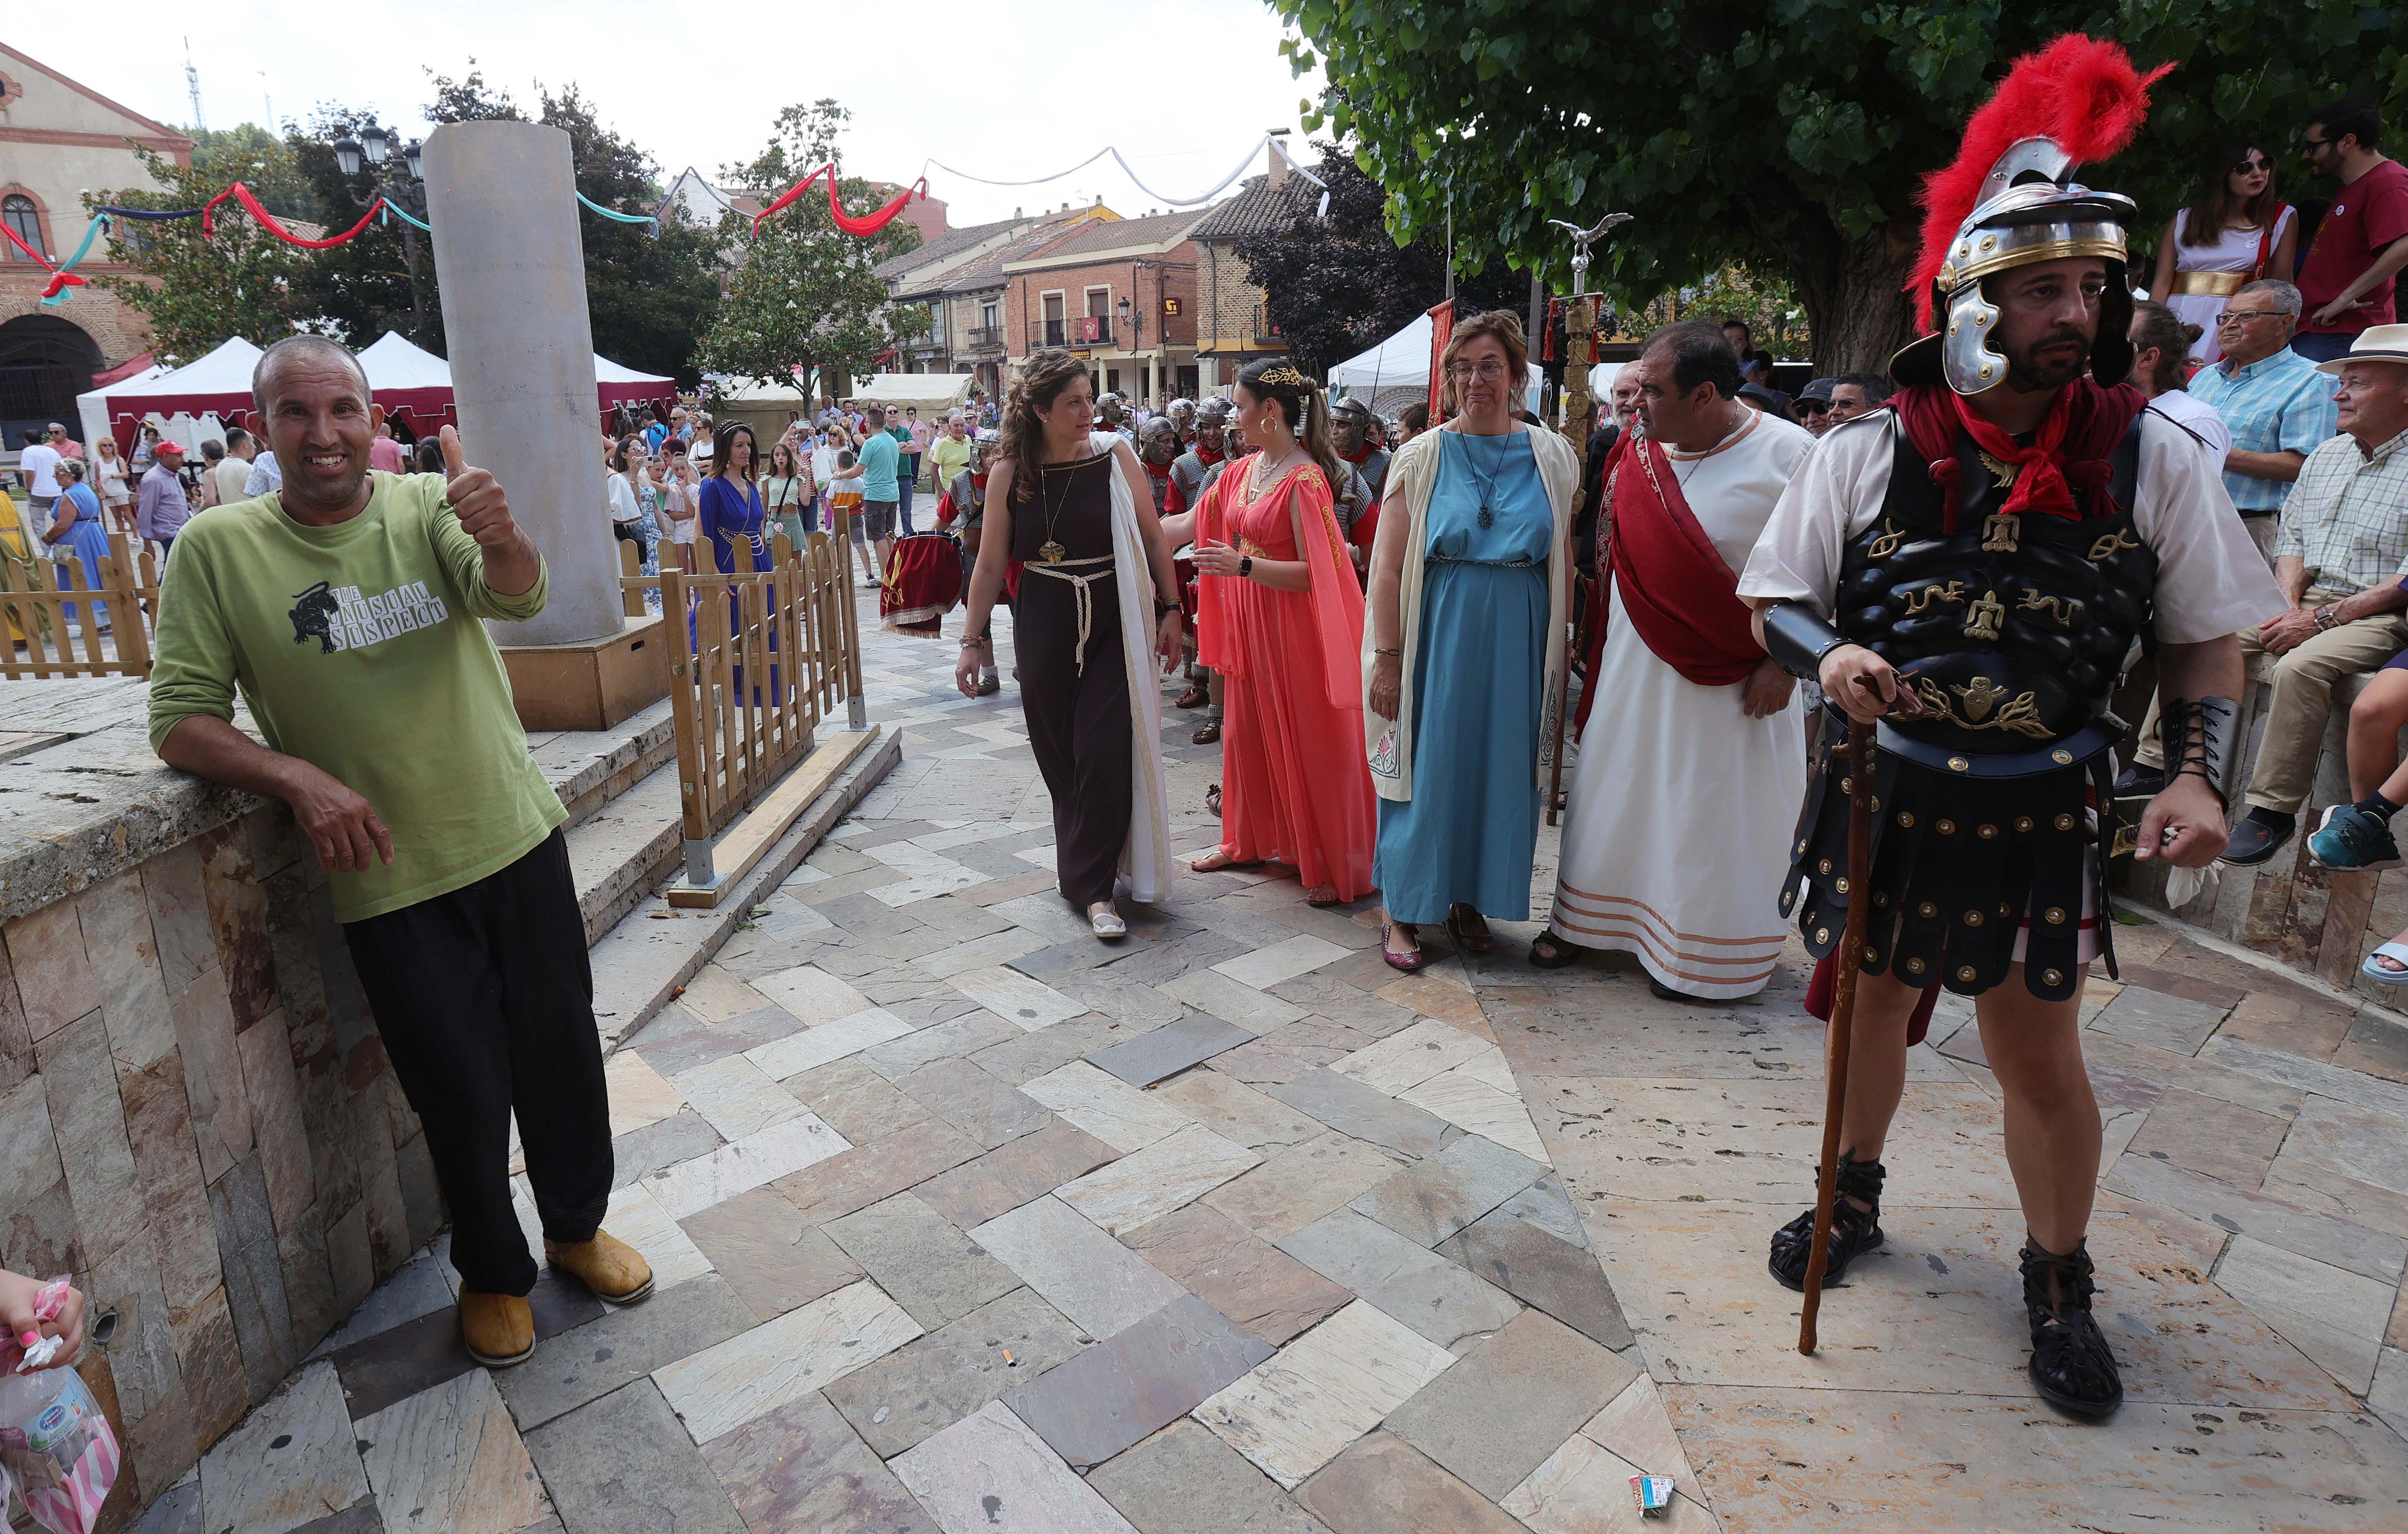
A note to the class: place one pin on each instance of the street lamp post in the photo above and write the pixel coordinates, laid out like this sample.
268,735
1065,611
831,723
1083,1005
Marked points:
375,147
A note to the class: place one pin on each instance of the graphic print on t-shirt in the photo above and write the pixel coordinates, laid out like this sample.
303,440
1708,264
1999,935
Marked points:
340,618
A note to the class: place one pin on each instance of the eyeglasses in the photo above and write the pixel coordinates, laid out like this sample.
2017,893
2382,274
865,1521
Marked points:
1491,370
2251,166
1813,407
2234,316
2309,146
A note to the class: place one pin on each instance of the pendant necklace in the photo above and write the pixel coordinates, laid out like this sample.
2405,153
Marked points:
1488,484
1050,551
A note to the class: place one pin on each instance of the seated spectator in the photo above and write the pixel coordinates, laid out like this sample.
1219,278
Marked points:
2161,343
1854,394
2339,558
1812,406
2278,407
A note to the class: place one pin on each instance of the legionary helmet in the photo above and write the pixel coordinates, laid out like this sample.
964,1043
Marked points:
1350,406
2010,200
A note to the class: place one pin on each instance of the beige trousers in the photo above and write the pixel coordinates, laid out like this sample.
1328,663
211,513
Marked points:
2301,701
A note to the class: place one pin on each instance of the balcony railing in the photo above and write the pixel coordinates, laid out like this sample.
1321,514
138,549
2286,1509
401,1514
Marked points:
1266,331
1080,331
986,338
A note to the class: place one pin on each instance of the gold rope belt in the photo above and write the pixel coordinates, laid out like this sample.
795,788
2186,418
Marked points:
1087,604
2218,284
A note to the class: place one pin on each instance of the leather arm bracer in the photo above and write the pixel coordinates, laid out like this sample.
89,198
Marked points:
2201,738
1798,640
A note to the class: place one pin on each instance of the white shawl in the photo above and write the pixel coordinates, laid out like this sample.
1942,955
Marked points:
1412,475
1145,857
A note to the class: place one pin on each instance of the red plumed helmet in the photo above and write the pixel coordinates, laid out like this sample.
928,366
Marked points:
2008,200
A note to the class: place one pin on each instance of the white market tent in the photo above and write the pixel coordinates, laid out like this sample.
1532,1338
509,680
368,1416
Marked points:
1394,373
930,392
402,378
92,409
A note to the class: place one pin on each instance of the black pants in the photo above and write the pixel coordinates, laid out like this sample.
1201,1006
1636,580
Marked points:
485,1001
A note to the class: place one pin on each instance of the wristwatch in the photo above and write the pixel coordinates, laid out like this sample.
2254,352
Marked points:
1246,567
2326,617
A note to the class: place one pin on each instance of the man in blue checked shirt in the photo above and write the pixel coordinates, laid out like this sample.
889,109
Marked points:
2279,408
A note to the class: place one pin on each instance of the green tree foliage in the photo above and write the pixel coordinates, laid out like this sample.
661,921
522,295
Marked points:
648,299
804,295
1789,134
1339,284
195,292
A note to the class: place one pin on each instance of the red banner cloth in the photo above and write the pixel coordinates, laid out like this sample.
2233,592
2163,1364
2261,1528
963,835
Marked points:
866,224
1675,587
241,194
59,280
2068,452
1822,993
1442,331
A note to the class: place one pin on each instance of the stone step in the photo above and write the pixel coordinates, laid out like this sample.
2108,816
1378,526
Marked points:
639,963
589,769
625,847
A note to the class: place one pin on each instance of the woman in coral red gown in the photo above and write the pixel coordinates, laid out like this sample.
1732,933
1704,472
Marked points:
1282,619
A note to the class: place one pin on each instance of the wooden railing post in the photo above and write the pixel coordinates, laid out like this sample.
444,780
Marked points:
856,707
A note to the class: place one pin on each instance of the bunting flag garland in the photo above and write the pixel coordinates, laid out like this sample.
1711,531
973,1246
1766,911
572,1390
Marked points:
864,224
62,275
266,220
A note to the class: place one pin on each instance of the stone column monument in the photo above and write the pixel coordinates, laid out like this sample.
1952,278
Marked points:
511,257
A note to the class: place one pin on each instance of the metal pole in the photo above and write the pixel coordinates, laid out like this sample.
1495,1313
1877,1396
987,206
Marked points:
1450,245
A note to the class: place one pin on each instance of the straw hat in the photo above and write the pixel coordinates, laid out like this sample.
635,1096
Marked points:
2375,343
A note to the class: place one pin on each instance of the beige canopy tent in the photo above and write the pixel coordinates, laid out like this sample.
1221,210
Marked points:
762,406
933,392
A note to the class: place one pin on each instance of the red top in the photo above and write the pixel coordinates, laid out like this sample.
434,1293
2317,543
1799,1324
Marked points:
2369,213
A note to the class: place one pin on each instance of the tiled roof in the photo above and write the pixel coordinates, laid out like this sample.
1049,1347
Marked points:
952,242
1257,209
1120,234
987,270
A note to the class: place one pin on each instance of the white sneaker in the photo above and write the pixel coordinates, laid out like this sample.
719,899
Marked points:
1106,921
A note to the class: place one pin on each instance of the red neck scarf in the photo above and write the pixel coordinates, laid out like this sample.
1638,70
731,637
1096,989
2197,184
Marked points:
2068,454
1359,455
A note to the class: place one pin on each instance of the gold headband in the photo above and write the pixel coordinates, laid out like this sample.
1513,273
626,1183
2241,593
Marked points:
1286,375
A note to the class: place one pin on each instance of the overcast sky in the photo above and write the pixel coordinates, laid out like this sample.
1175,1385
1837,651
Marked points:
1004,89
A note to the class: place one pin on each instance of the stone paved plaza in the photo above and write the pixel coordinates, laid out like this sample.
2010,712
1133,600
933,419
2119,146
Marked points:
965,1222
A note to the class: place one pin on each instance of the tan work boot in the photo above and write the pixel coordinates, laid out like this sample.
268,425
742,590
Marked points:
498,1329
615,1271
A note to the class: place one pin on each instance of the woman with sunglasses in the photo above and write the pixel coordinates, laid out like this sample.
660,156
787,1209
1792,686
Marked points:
2235,231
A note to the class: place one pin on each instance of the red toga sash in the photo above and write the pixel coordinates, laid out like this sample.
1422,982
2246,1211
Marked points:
1679,593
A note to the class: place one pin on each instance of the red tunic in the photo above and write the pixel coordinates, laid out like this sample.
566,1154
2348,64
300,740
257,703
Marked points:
1295,787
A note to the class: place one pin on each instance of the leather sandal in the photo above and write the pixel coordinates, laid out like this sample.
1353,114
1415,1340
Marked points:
1562,953
1410,962
1853,1231
1210,733
1212,799
1207,864
1458,927
2072,1366
1194,697
1323,895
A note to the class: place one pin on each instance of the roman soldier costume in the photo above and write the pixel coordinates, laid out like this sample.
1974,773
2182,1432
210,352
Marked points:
2006,579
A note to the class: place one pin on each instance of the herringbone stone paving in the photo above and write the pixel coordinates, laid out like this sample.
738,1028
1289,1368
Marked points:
964,1221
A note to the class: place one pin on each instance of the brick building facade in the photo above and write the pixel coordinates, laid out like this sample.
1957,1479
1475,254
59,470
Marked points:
57,140
1122,295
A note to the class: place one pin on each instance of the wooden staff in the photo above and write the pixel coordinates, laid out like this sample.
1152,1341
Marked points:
1844,1008
1579,322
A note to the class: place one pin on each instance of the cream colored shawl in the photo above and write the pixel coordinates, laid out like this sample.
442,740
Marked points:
1145,857
1412,475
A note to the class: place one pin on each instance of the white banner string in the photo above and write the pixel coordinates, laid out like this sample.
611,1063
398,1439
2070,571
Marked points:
1225,182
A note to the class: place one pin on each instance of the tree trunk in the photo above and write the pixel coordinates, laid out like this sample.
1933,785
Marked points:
1851,289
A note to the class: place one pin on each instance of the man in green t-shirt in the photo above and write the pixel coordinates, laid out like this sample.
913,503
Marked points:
347,607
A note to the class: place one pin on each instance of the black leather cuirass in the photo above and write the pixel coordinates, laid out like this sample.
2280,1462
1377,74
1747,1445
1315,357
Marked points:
2012,630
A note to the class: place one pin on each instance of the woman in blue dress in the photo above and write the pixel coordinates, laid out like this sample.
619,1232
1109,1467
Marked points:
76,526
1468,595
735,521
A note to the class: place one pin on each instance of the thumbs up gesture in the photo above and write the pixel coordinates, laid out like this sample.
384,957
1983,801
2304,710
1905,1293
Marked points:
477,500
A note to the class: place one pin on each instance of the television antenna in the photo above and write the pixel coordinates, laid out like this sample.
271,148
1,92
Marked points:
193,83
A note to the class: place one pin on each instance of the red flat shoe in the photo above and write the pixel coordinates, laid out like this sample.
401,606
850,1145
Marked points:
1410,962
1481,941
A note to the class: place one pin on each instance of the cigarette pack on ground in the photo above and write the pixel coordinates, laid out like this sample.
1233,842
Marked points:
1654,1493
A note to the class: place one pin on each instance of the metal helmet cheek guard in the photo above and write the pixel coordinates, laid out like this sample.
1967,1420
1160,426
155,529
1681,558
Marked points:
2009,200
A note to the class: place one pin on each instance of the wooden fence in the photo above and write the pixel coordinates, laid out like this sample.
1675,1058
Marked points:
757,659
48,608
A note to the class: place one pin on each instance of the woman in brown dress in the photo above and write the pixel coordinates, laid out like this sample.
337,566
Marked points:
1071,507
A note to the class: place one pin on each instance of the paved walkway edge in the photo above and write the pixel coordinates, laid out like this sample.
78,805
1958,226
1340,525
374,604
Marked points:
639,963
2266,963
